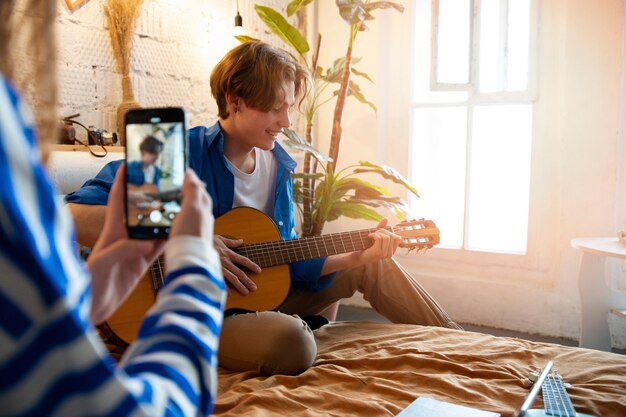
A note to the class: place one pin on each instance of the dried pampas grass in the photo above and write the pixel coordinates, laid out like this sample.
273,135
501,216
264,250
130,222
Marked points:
121,16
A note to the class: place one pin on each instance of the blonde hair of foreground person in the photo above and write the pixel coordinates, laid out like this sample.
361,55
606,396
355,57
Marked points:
28,59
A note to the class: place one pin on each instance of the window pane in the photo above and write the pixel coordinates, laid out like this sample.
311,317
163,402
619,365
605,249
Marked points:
421,60
518,40
453,41
438,169
490,78
500,178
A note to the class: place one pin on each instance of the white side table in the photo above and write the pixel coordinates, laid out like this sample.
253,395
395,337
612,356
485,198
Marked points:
596,296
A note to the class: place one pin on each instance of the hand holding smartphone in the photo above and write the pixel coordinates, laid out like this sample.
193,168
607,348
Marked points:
155,170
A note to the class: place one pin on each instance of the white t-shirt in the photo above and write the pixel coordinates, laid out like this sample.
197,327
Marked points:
256,189
149,172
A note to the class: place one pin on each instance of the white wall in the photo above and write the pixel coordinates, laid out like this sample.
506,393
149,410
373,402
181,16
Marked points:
578,180
578,155
176,44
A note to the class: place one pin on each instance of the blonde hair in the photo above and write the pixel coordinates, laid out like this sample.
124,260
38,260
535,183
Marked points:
256,71
27,36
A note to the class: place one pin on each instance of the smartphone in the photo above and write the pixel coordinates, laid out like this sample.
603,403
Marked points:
155,169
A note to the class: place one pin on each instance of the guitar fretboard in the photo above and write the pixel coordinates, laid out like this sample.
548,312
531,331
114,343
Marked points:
556,399
287,251
156,273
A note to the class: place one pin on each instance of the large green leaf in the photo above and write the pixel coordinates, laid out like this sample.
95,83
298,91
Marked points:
355,91
294,136
383,5
392,203
353,211
360,186
362,74
282,28
333,74
295,5
353,11
398,209
297,194
388,173
302,175
309,149
245,38
295,141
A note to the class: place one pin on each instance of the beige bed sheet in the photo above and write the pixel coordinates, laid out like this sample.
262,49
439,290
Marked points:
377,369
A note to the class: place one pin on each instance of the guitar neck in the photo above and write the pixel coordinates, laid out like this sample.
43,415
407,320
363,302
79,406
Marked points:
556,399
287,251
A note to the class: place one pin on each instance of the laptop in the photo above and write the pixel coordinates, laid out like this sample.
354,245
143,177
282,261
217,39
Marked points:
428,407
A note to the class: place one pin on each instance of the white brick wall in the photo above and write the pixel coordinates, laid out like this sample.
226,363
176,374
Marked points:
175,46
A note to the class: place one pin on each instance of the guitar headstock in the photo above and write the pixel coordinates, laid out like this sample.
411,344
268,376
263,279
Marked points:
533,376
417,234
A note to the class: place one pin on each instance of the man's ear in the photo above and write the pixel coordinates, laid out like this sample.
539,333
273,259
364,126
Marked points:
232,99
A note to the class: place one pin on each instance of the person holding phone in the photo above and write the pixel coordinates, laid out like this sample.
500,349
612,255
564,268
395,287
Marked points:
256,87
52,361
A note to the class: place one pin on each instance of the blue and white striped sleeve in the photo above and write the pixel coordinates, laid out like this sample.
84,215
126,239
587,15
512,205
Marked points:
52,362
180,332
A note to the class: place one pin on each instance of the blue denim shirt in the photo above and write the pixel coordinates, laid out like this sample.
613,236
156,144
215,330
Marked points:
206,157
134,172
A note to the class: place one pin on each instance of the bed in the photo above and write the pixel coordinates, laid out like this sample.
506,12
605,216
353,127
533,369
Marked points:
377,369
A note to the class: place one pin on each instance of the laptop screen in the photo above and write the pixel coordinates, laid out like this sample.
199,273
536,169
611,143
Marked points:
530,398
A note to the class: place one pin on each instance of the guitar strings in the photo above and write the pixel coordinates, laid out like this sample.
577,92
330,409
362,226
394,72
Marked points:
287,251
156,273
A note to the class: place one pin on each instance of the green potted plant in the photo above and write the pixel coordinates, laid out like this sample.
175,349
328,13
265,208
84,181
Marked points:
323,192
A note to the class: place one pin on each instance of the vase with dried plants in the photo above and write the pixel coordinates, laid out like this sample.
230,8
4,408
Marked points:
121,16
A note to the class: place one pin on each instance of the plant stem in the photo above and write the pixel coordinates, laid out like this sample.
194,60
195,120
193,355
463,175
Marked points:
335,137
308,185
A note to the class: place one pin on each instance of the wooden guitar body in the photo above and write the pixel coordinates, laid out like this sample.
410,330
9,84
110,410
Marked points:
265,247
127,318
273,283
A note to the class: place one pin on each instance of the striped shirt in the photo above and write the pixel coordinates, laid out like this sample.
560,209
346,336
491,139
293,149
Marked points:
52,362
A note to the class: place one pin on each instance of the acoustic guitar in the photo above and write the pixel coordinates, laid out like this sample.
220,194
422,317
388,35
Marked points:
264,246
556,400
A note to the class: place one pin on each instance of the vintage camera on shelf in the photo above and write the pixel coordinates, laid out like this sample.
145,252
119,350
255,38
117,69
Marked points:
95,136
101,136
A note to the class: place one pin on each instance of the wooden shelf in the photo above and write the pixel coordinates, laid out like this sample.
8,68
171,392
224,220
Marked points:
81,148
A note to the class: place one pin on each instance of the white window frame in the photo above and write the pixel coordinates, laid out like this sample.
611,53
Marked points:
435,85
533,265
529,94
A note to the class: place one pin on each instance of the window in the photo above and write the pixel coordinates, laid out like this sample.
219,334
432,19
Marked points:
472,120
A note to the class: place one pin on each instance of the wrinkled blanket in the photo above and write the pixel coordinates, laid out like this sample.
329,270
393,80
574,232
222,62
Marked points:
377,369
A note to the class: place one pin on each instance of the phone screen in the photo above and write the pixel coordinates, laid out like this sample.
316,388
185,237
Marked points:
155,170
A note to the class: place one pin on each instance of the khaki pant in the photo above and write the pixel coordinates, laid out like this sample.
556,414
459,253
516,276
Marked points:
279,342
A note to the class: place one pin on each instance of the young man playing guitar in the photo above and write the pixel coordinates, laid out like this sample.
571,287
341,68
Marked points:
256,86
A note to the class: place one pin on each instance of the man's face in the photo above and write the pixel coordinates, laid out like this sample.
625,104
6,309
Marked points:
148,158
261,128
